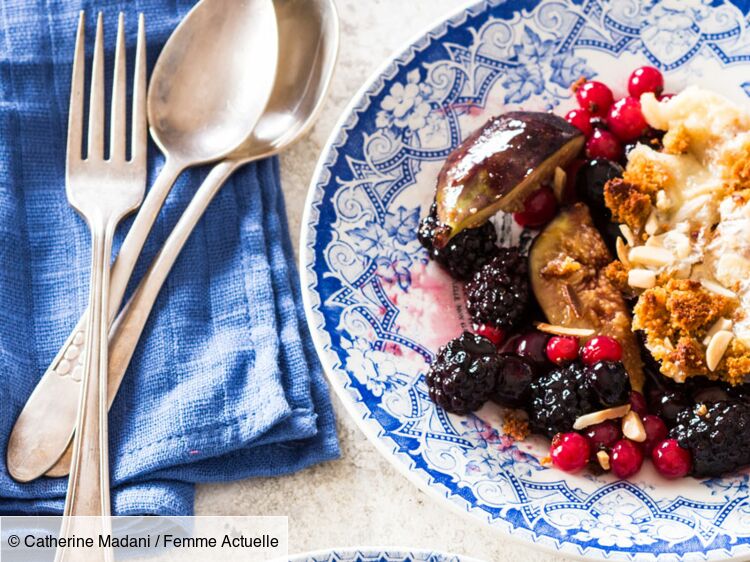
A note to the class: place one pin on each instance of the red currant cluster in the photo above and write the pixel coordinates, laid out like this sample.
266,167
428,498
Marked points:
573,451
609,124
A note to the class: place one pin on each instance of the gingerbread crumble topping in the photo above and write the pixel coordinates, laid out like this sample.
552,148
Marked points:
516,427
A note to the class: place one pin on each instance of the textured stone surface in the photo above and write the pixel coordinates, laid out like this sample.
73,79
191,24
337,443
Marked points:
360,499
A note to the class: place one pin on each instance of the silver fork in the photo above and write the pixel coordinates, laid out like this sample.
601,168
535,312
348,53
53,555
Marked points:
103,191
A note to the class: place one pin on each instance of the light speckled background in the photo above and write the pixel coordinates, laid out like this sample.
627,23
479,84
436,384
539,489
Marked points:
360,499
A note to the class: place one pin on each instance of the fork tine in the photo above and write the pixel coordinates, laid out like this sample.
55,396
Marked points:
140,125
96,97
118,133
75,112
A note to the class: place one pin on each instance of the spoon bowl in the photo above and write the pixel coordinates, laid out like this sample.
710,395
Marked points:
206,93
309,42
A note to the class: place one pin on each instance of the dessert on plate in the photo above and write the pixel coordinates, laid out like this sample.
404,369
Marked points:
622,333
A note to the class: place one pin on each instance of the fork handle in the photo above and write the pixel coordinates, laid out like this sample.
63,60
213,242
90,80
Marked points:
128,326
45,426
88,485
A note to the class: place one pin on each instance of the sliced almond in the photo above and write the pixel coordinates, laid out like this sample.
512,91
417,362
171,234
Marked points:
718,289
641,278
558,184
651,255
668,344
603,459
600,416
743,336
655,241
663,202
564,330
691,207
627,234
632,427
652,224
622,251
719,325
717,347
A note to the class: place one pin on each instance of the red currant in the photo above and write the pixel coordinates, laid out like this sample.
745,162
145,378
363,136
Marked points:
601,348
569,451
594,97
626,120
603,436
671,460
538,209
561,349
603,144
492,333
645,79
638,403
626,458
656,432
581,119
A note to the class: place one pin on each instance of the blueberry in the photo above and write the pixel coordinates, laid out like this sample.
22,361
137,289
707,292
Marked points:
591,179
514,379
590,188
610,383
668,404
531,346
710,394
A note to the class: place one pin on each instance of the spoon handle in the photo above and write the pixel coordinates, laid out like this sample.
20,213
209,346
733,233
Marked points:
127,328
46,424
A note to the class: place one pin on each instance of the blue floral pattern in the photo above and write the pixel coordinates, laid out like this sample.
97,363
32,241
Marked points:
369,555
379,310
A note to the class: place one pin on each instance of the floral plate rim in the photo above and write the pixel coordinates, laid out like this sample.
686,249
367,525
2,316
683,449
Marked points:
380,551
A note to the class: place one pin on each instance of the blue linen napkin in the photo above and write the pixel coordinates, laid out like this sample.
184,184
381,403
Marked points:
225,383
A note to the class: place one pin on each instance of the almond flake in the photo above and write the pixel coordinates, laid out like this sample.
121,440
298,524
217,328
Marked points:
622,252
600,416
743,336
603,459
720,324
718,289
564,330
650,255
632,427
663,202
558,184
717,347
641,278
668,344
627,234
652,224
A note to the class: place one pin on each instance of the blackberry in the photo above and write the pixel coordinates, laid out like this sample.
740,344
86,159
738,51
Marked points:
717,437
464,375
559,398
465,253
610,383
498,294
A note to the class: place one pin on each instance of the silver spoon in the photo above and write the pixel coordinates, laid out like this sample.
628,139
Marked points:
208,89
308,38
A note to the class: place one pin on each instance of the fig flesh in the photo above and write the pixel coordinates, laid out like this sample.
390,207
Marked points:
566,268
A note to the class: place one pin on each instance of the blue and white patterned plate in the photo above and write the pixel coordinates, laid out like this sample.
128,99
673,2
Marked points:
378,311
378,555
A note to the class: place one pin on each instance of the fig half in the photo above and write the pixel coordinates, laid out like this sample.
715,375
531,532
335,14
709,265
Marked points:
498,165
566,268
